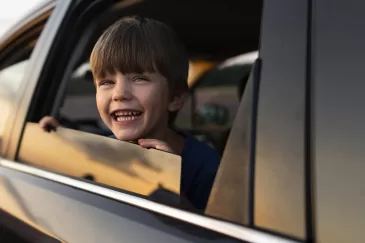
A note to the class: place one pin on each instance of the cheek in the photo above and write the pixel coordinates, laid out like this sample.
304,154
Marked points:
101,103
153,98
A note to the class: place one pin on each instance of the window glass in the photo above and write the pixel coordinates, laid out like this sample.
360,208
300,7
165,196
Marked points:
219,90
214,99
14,63
10,81
78,108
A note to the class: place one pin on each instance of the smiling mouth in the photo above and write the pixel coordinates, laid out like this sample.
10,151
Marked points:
121,116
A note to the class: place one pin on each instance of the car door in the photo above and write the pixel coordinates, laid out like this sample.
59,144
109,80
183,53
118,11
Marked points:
75,210
338,118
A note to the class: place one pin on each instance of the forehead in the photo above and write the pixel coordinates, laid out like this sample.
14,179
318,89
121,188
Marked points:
118,64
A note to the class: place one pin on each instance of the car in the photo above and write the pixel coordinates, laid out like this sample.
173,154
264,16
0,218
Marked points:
275,86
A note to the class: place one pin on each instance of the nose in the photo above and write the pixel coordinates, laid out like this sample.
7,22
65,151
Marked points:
122,91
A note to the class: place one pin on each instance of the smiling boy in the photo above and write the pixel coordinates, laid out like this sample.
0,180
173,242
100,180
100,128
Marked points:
140,69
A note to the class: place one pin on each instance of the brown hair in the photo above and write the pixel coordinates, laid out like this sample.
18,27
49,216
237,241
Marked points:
136,44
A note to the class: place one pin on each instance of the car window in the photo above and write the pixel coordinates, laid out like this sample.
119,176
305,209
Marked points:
83,149
14,64
219,89
213,103
233,171
10,81
78,107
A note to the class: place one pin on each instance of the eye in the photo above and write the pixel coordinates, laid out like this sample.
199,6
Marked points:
106,82
140,79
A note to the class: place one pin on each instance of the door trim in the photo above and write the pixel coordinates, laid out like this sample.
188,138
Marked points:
226,228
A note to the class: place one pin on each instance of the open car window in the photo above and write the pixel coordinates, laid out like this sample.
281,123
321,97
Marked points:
83,148
214,99
233,173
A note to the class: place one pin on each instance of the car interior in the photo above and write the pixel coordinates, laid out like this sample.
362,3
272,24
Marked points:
217,42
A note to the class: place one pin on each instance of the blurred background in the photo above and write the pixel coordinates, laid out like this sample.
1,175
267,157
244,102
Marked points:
11,11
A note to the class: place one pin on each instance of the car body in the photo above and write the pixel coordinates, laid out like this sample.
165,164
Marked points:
292,159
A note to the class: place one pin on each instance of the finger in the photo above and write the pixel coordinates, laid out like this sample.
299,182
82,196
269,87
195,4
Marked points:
163,148
153,143
42,122
47,120
50,128
48,123
150,140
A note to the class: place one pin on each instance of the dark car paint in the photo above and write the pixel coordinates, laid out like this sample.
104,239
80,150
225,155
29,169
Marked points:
77,216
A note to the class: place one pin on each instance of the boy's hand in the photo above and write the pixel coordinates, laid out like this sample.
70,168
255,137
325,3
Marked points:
48,123
156,144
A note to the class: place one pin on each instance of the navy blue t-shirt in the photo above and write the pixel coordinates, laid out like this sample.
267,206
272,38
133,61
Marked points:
200,163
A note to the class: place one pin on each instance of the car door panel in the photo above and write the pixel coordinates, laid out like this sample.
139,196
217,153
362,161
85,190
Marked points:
77,216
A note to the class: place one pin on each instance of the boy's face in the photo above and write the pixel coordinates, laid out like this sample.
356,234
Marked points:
135,106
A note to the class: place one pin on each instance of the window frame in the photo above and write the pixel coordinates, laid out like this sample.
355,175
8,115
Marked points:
37,15
281,187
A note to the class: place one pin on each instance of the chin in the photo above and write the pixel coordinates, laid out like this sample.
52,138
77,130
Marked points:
127,135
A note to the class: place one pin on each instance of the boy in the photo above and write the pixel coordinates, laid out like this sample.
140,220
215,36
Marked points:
140,70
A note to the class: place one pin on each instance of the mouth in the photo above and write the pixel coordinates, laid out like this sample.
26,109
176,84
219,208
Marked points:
126,115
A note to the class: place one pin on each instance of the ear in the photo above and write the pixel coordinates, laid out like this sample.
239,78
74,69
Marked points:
177,102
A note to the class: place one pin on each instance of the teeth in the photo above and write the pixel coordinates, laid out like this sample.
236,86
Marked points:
126,118
127,113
